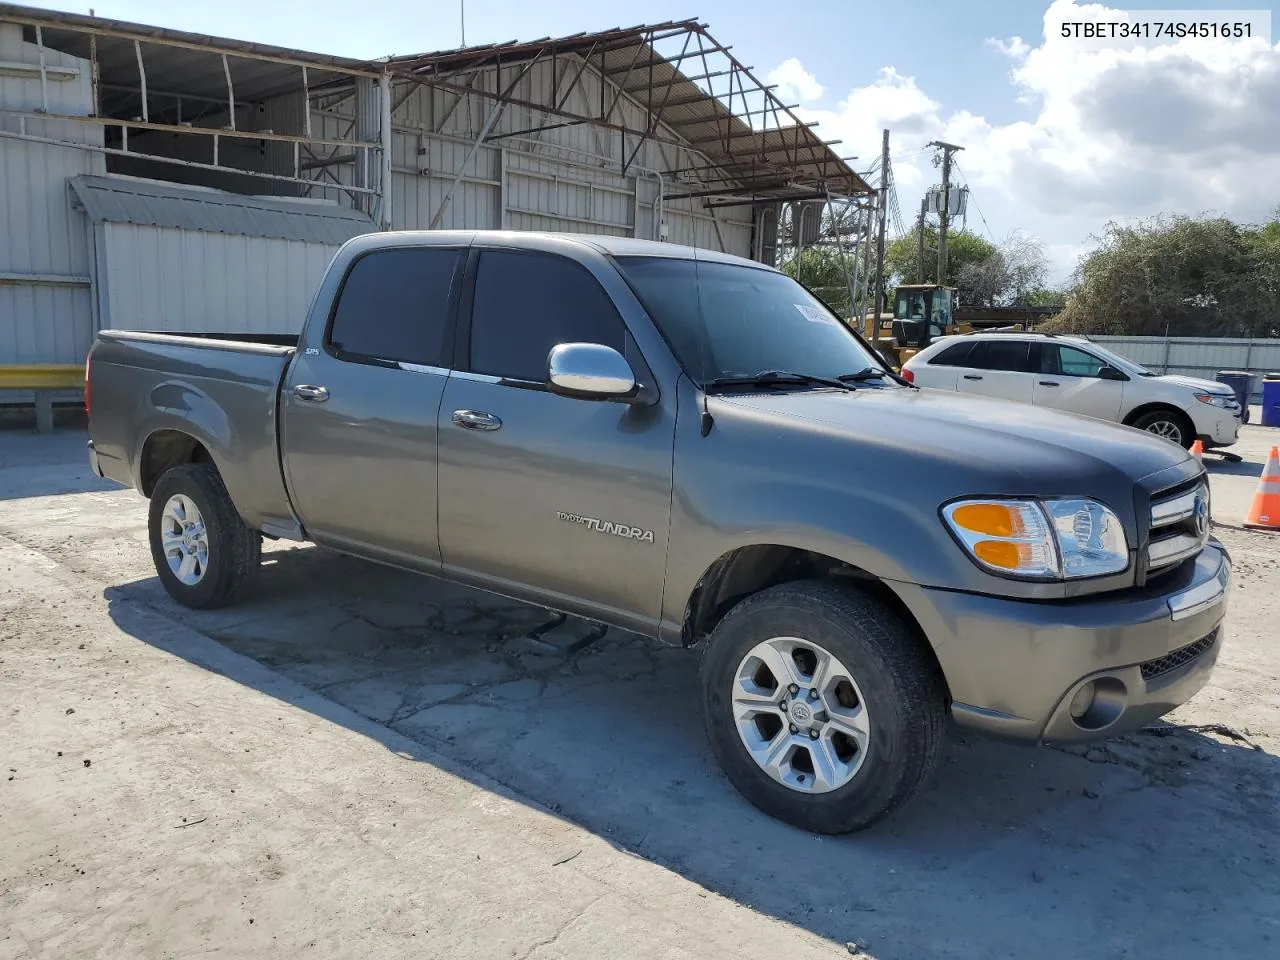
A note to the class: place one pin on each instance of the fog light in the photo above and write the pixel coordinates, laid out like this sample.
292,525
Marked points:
1082,701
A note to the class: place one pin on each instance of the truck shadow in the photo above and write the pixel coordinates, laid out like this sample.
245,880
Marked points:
1245,468
1164,844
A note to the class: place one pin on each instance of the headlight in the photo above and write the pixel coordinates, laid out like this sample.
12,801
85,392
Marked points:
1045,540
1217,400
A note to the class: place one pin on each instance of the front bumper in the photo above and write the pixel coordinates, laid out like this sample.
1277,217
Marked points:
1014,667
1217,428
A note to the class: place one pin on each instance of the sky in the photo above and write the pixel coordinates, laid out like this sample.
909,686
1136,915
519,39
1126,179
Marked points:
1060,135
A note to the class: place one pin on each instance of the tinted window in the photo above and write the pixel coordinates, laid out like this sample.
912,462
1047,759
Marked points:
955,355
527,303
1070,362
725,320
1013,355
394,305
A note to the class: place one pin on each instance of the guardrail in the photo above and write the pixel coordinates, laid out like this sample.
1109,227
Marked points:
44,379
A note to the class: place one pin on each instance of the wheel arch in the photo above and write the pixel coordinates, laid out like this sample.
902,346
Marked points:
745,570
1162,406
1156,406
165,448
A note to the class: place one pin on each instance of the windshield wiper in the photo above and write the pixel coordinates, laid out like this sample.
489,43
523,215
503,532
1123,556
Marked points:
871,373
776,378
866,373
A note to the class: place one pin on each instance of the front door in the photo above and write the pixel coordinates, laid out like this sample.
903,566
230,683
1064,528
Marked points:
1069,381
360,411
544,496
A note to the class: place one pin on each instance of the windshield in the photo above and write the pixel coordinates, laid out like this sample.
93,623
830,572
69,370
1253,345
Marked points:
1122,363
724,320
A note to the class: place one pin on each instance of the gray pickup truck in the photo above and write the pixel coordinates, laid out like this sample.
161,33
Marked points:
689,446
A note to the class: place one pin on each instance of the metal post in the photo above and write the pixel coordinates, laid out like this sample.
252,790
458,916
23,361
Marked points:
384,178
142,79
44,74
94,78
231,91
882,205
306,102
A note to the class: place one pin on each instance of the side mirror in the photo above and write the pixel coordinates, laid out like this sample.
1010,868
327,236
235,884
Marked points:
590,371
1111,373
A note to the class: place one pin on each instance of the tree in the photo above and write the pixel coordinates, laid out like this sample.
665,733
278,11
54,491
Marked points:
963,248
982,273
1180,276
825,270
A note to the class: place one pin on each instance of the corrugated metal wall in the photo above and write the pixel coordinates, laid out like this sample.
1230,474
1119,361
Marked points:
45,305
159,278
1199,356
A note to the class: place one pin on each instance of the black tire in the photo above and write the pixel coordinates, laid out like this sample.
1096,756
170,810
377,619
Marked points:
1186,430
235,551
904,694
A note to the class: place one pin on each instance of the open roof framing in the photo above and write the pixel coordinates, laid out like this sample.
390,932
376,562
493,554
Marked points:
749,144
696,93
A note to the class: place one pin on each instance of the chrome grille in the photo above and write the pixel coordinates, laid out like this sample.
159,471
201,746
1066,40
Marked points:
1179,526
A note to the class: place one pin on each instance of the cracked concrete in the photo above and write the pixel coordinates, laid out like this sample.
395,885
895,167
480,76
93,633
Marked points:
1164,844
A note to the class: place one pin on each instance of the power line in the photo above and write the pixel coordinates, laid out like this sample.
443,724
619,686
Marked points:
990,235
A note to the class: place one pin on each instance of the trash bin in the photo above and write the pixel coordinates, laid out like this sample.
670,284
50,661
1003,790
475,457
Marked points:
1241,381
1271,400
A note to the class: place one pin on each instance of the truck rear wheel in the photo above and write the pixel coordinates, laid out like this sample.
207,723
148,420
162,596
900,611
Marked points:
204,553
821,706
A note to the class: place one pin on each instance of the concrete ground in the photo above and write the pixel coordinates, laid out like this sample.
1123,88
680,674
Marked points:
356,761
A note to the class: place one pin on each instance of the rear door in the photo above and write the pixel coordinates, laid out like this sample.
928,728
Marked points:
1000,368
942,370
545,496
1069,381
360,411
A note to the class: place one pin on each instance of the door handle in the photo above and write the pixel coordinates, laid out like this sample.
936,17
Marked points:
306,391
970,376
1048,383
476,420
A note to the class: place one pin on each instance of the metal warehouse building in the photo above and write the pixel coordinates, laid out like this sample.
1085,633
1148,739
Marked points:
156,179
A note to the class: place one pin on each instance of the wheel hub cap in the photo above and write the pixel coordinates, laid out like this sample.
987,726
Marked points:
812,740
800,713
184,540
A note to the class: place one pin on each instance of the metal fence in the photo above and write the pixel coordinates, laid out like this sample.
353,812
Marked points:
1200,356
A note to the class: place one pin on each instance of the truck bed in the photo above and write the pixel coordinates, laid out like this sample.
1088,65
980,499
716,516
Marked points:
223,389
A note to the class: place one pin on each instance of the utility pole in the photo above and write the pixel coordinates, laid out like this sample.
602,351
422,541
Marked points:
944,211
882,204
924,205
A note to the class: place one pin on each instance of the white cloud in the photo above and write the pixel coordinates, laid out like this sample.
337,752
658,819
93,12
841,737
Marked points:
1118,131
1015,48
795,82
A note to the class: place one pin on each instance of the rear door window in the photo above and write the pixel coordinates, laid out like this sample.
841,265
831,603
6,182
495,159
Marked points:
1013,356
527,303
394,307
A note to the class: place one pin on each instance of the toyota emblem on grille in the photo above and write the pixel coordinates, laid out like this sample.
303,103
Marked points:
1201,515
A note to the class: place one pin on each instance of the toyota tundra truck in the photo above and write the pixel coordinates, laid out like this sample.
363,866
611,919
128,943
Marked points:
690,446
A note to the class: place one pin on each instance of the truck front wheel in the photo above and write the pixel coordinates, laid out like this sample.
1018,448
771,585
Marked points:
203,552
821,706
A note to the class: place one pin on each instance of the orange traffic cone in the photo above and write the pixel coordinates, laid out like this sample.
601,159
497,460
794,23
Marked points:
1197,449
1265,512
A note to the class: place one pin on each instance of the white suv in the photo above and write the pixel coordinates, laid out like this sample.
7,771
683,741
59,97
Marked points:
1076,375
